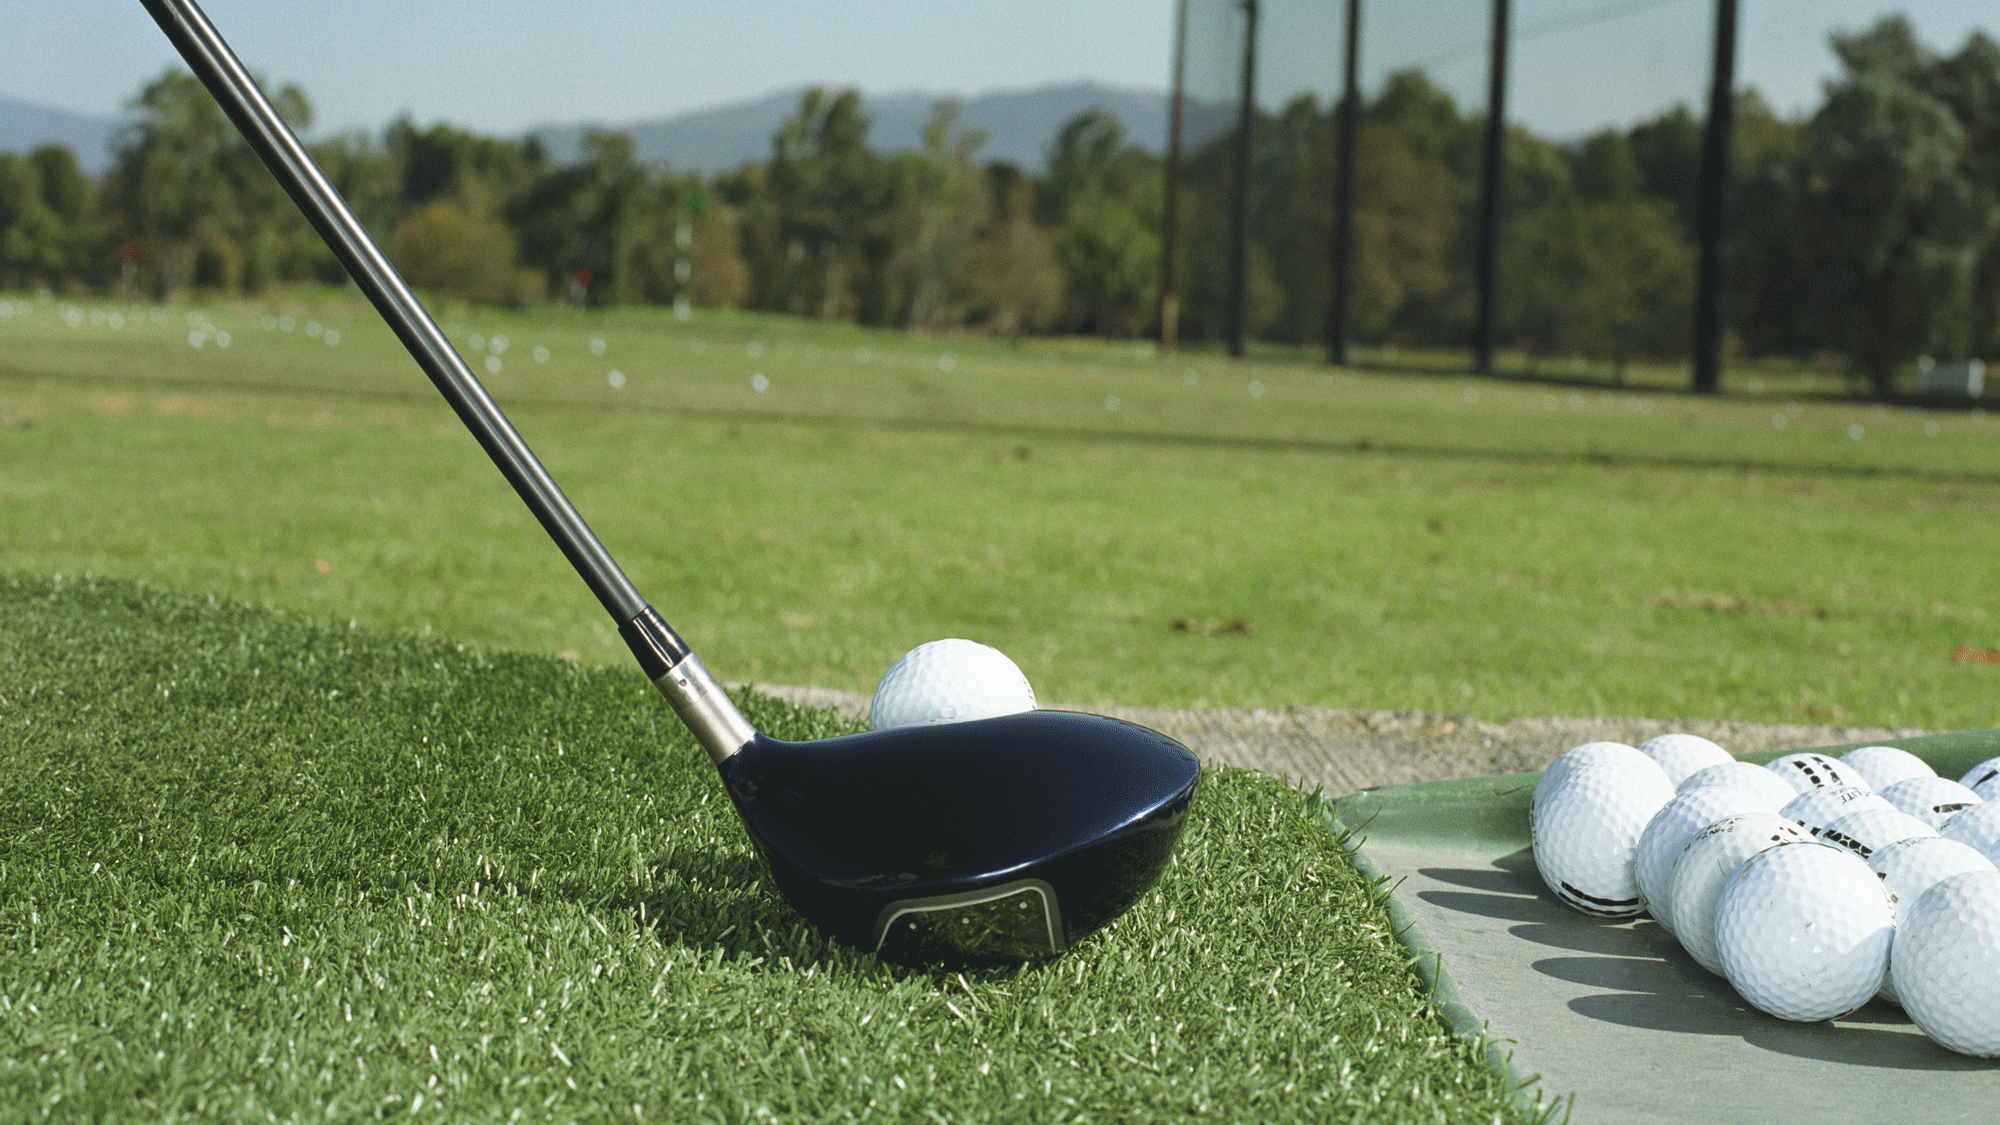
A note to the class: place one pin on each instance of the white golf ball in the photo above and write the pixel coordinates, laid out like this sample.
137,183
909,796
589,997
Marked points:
1867,831
1982,778
1803,931
1977,827
1805,770
1910,868
949,681
1883,766
1816,808
1585,830
1587,754
1743,775
1706,865
1667,836
1932,800
1683,754
1947,963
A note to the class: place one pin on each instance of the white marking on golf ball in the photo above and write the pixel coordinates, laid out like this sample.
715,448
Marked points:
1947,963
1683,754
1705,867
949,681
1803,931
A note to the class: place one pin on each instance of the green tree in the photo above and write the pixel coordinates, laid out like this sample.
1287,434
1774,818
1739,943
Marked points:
940,205
1894,218
1612,278
829,197
1104,197
41,231
191,194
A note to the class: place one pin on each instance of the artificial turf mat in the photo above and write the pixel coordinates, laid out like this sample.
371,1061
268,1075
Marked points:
257,866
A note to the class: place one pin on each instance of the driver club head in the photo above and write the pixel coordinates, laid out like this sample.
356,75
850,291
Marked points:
1002,839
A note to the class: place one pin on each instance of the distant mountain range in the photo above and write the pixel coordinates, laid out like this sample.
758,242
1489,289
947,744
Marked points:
1020,126
24,126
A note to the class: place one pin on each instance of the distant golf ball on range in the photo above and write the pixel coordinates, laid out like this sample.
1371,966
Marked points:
949,681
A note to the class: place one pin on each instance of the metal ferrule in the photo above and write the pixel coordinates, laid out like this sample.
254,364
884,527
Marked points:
702,704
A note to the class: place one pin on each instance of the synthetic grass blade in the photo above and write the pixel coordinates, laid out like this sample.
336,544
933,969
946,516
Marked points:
255,865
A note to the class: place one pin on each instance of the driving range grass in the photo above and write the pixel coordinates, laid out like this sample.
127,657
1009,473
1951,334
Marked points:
258,867
1501,548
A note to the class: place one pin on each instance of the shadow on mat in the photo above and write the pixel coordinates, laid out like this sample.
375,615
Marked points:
1648,981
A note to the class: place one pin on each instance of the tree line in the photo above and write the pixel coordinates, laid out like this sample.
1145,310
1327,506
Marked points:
1869,228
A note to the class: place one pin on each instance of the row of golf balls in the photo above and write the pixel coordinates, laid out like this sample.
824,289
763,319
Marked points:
1812,884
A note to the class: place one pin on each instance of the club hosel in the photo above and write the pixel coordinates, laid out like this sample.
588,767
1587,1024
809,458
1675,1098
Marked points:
680,675
706,709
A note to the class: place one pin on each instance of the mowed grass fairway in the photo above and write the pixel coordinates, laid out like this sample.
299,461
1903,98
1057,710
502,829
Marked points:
1498,548
258,868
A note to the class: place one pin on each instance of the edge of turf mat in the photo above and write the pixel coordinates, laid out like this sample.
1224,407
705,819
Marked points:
1428,964
1489,816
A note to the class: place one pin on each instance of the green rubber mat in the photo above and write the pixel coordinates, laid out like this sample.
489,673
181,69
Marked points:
1614,1014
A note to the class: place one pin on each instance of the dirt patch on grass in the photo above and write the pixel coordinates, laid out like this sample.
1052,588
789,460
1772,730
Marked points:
1342,750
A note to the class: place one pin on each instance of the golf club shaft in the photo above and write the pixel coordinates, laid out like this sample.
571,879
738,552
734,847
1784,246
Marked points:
666,659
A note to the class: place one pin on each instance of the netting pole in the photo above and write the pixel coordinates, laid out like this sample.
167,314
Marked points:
1713,218
1170,221
1239,249
1343,204
1489,193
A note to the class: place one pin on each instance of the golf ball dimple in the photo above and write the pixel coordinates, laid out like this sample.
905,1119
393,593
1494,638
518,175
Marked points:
1932,800
1977,827
1946,964
949,681
1867,831
1683,754
1816,808
1705,867
1986,773
1806,770
1744,775
1585,832
1667,836
1587,754
1803,931
1883,766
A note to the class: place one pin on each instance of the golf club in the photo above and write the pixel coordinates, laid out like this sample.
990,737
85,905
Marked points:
994,840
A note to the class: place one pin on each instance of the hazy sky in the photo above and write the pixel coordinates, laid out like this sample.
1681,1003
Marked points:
501,66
